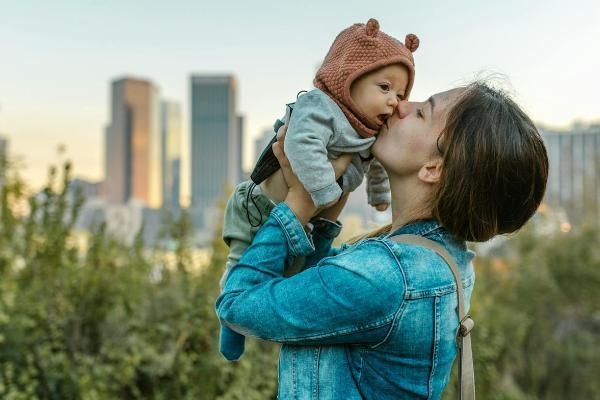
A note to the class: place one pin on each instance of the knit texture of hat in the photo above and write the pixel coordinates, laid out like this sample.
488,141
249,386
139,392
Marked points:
357,50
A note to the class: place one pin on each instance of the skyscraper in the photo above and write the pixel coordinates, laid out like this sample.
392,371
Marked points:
132,152
214,148
240,142
3,159
261,142
170,132
3,147
574,178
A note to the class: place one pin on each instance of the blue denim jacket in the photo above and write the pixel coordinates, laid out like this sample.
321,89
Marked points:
374,320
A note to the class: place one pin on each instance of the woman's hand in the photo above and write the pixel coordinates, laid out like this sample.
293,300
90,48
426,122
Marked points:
298,199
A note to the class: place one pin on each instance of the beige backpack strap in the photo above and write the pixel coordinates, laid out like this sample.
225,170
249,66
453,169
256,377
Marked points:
466,377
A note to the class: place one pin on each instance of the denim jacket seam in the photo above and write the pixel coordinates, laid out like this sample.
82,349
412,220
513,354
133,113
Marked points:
315,377
291,243
362,362
338,332
413,294
294,380
436,343
400,308
397,317
398,264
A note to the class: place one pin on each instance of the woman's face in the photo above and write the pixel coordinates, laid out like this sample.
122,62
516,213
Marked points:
408,140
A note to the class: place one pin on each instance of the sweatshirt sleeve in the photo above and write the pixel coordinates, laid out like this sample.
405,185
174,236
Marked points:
311,127
378,185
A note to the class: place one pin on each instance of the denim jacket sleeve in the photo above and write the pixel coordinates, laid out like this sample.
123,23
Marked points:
351,297
323,234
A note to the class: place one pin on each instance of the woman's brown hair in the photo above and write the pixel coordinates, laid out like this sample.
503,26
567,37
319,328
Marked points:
494,170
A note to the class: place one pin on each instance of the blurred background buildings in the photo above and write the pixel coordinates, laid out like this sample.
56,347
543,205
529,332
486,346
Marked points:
144,148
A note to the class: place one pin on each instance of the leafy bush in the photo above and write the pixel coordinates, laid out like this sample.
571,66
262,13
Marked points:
108,320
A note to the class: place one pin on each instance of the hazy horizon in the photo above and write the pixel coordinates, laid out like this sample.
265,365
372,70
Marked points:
59,60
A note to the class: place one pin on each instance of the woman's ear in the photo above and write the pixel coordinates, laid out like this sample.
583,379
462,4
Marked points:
431,171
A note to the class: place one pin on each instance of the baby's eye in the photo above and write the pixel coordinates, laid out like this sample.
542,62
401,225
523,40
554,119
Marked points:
384,86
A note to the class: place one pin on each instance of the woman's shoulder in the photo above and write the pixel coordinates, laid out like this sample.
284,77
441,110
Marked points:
369,257
421,267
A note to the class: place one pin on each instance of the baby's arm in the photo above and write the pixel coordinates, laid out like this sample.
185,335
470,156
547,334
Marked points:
378,186
311,127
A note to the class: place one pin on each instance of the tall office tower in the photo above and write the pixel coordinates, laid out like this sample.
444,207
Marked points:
3,159
132,153
214,144
3,147
574,178
240,142
170,132
261,142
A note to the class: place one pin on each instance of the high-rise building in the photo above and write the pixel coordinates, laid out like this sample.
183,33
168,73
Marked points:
574,178
261,142
132,152
240,152
3,159
170,132
214,148
3,147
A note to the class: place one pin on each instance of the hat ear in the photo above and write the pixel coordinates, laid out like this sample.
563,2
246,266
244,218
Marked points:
372,27
411,42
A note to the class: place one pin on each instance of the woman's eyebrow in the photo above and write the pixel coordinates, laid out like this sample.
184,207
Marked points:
431,101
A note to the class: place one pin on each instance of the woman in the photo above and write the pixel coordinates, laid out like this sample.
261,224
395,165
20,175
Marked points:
377,319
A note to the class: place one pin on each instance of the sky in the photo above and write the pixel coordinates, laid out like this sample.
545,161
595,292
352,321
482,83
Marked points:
58,58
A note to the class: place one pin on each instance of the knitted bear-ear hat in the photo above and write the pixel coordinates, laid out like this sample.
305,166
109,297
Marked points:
357,50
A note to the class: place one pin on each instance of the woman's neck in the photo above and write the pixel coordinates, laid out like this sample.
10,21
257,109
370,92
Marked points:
409,200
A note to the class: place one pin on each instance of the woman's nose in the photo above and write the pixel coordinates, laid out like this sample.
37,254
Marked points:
403,108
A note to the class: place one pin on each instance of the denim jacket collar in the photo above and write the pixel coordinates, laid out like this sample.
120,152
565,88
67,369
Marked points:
421,227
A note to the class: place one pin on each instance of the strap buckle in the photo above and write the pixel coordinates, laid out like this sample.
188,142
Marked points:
466,325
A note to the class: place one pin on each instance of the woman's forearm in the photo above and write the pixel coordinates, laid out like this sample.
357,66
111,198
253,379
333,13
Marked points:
313,306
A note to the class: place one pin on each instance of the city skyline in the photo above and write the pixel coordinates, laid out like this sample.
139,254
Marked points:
133,144
61,57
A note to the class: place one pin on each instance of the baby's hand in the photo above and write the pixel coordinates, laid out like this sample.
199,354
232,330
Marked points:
382,206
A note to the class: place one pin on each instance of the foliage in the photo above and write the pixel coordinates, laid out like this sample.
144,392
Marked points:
107,320
536,306
101,319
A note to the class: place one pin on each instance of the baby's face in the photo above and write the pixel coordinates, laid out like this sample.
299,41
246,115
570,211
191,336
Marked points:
376,94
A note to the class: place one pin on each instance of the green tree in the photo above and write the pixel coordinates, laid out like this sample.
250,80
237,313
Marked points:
109,320
536,305
101,319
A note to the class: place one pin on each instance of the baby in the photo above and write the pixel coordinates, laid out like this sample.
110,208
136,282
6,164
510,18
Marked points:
363,77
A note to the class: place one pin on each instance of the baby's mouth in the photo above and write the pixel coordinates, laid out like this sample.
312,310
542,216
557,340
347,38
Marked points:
382,119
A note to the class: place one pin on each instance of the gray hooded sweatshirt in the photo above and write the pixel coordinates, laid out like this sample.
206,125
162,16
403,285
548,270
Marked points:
319,131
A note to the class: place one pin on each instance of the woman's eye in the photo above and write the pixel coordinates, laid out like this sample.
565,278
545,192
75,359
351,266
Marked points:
419,113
